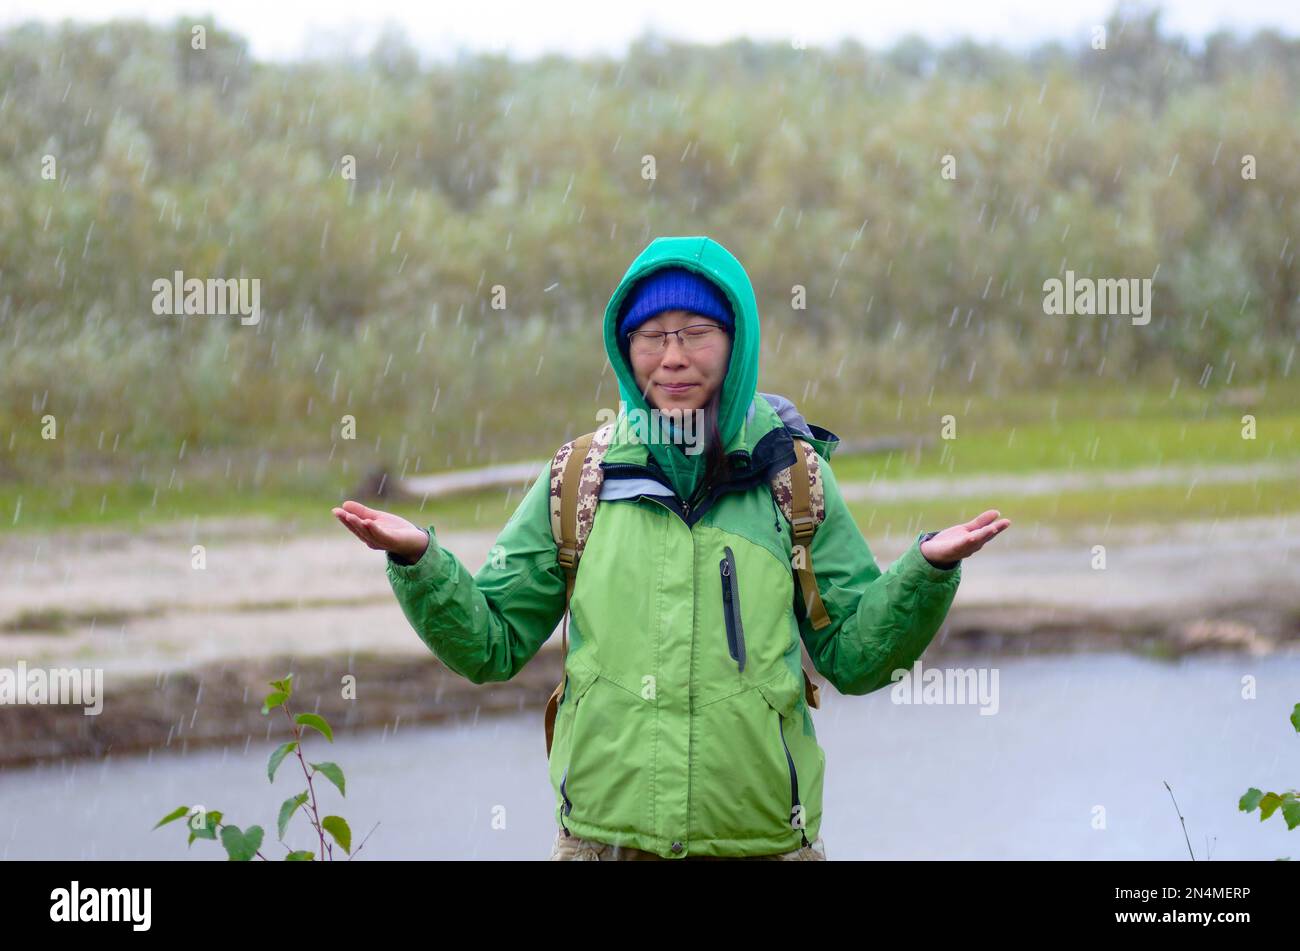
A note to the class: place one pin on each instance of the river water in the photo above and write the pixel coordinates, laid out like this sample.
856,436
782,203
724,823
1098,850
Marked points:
1071,766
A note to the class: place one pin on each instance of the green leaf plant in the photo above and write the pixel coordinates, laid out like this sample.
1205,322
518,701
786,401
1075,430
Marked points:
1286,804
242,845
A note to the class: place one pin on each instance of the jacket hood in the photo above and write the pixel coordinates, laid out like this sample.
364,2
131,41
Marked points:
714,262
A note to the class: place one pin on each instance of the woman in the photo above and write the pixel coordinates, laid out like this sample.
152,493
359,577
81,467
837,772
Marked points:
683,730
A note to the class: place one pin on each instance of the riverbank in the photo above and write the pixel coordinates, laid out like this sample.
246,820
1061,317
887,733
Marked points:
186,653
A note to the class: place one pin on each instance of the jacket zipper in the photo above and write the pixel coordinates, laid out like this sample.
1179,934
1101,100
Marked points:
731,608
564,792
794,779
735,642
622,469
568,806
695,506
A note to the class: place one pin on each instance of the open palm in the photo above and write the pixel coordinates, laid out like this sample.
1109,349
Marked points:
962,541
383,530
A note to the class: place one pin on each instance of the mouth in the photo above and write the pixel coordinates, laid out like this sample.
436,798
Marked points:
675,387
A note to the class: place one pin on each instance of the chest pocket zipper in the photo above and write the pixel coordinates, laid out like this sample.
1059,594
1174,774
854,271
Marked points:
731,608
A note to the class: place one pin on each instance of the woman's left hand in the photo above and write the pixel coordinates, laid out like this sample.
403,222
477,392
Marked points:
962,541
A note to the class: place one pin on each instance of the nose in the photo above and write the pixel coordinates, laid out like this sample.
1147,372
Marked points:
670,341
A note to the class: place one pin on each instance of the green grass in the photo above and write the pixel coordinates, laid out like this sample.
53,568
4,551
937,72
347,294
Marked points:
1083,444
1094,426
1092,508
1084,428
303,507
45,508
59,621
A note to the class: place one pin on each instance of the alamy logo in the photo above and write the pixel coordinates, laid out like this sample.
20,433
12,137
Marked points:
102,904
213,297
659,428
946,686
1120,296
59,685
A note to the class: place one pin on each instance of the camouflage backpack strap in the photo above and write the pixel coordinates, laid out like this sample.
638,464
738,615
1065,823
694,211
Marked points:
800,496
576,477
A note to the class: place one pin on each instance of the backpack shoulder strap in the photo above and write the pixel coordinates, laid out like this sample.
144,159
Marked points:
799,494
576,477
802,499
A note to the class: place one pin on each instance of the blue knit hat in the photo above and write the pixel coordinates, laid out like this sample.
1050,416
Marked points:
674,288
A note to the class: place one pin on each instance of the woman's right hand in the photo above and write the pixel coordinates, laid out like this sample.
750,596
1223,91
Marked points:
383,530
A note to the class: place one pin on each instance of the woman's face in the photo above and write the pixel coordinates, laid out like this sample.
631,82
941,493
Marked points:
702,371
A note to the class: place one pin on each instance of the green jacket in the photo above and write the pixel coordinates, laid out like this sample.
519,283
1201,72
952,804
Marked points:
663,740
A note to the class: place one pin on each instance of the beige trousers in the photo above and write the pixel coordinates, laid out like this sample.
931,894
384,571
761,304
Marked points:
576,849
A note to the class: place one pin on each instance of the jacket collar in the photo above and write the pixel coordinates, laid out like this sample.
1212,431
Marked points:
760,448
627,443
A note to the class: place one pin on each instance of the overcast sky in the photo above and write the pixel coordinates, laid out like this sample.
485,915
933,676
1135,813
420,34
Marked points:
284,30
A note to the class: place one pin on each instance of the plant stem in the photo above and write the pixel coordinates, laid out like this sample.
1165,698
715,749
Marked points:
363,842
315,814
1183,821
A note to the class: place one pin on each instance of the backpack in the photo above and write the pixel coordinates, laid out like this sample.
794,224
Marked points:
576,479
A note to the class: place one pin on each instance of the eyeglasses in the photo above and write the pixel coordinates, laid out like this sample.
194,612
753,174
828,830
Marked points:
692,338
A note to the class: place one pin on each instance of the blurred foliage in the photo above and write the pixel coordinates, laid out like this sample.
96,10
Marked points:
818,167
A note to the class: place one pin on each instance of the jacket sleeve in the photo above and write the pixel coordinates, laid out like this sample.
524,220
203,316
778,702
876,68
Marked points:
486,626
880,622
